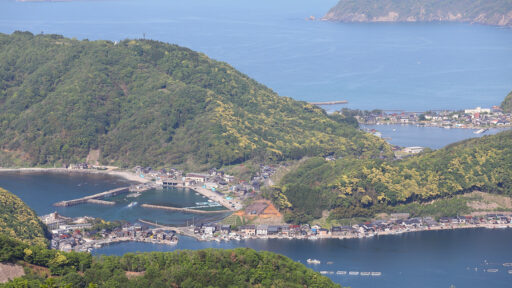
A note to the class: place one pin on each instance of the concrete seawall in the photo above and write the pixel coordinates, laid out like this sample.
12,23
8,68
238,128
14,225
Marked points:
186,210
86,199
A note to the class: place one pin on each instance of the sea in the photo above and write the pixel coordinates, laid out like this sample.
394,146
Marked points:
394,66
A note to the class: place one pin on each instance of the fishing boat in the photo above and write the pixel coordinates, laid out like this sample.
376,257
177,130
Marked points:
509,271
492,270
313,261
132,204
507,264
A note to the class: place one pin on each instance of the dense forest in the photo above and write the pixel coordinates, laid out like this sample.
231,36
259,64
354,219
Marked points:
143,102
506,105
496,12
17,220
352,187
240,267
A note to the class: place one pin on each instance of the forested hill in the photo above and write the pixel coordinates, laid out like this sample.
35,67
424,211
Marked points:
361,188
240,267
17,220
142,102
507,103
495,12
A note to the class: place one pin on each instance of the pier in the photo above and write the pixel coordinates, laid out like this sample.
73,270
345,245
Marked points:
94,198
330,102
186,210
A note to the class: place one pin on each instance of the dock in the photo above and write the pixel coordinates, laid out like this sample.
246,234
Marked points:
86,199
186,210
329,102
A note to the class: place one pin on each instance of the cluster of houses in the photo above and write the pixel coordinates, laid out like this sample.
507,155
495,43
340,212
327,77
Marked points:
78,234
470,118
398,223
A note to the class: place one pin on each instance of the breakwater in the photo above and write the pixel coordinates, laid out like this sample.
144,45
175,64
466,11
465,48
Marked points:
186,210
87,199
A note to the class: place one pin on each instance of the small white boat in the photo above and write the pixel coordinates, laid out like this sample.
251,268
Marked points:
492,270
341,272
509,271
481,131
376,273
313,261
323,272
353,273
132,204
507,264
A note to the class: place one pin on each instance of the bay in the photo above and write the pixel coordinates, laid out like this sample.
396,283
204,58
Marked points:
414,67
420,259
430,137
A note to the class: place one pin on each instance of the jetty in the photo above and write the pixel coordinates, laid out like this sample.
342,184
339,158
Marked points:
94,198
329,102
186,210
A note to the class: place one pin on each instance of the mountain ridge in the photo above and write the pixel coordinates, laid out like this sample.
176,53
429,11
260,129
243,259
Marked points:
143,102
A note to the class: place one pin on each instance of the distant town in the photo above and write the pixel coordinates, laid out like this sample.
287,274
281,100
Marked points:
476,118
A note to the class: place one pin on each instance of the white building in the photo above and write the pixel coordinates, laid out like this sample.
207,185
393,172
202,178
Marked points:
477,110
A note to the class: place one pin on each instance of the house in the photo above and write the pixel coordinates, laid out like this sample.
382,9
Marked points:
262,230
196,177
225,229
248,230
273,230
413,150
323,232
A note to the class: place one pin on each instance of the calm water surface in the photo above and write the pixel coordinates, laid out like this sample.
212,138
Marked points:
431,137
414,67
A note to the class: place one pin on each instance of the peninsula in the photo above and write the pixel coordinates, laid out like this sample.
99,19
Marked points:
497,12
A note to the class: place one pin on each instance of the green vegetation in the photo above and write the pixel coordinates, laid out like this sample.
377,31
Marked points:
496,12
149,103
352,187
17,220
240,267
506,105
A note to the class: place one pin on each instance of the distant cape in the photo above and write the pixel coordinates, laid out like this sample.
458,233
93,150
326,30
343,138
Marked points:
496,12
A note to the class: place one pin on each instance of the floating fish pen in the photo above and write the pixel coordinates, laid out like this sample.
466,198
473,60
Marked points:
323,272
313,261
353,273
365,273
509,271
376,273
492,270
341,272
507,264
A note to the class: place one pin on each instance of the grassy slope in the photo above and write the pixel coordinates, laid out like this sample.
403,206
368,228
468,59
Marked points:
359,188
506,105
17,220
150,103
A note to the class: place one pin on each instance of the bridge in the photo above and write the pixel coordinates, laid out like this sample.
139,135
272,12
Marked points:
329,102
94,198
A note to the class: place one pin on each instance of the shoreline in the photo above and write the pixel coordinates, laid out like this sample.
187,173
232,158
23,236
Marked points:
127,175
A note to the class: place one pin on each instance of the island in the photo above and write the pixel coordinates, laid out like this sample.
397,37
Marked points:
498,12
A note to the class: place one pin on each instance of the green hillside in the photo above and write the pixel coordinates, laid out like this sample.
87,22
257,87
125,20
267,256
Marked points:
240,267
150,103
506,105
496,12
17,220
360,188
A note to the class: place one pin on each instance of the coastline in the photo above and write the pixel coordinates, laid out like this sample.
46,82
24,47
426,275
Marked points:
112,172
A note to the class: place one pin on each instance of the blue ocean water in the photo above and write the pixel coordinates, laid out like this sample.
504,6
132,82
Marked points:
413,67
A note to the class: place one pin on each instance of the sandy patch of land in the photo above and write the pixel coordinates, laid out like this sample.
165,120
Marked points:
110,171
10,271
